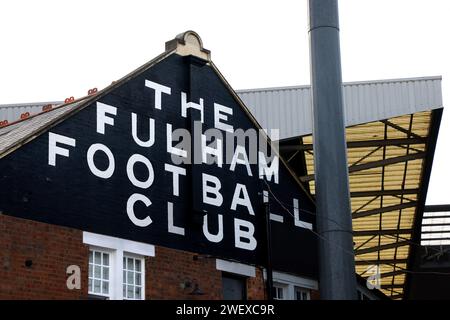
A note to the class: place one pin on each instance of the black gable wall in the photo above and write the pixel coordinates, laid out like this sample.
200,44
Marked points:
69,195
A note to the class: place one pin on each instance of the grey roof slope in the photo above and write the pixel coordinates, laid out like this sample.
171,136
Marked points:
289,108
12,112
20,132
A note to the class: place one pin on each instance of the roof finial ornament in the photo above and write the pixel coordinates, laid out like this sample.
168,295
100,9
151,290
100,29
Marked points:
188,43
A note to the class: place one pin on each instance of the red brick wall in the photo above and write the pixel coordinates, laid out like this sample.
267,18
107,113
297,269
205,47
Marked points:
256,286
173,268
315,295
53,248
170,269
50,248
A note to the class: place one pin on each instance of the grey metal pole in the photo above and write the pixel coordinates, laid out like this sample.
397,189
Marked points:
337,278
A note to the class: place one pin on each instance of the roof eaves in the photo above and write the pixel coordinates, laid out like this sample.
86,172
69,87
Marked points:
351,83
29,104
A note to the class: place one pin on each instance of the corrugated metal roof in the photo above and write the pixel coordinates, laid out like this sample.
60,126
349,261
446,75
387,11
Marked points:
289,108
387,162
12,112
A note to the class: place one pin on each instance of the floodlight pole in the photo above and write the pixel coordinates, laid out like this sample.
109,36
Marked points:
337,278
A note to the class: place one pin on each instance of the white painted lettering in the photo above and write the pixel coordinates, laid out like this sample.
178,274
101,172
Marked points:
130,171
268,171
170,148
102,118
151,134
176,172
209,190
240,156
217,151
244,201
213,237
221,113
108,172
130,209
240,234
53,149
159,90
186,105
170,221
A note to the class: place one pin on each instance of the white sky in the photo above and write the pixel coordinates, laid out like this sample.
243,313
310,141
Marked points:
54,49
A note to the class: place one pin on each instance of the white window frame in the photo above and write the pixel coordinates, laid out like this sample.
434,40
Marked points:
118,248
111,270
302,290
284,289
142,259
236,268
292,282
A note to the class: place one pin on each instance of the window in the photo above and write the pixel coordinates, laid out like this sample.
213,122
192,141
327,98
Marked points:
291,287
99,273
116,267
301,294
234,278
283,291
132,278
279,291
234,287
102,274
